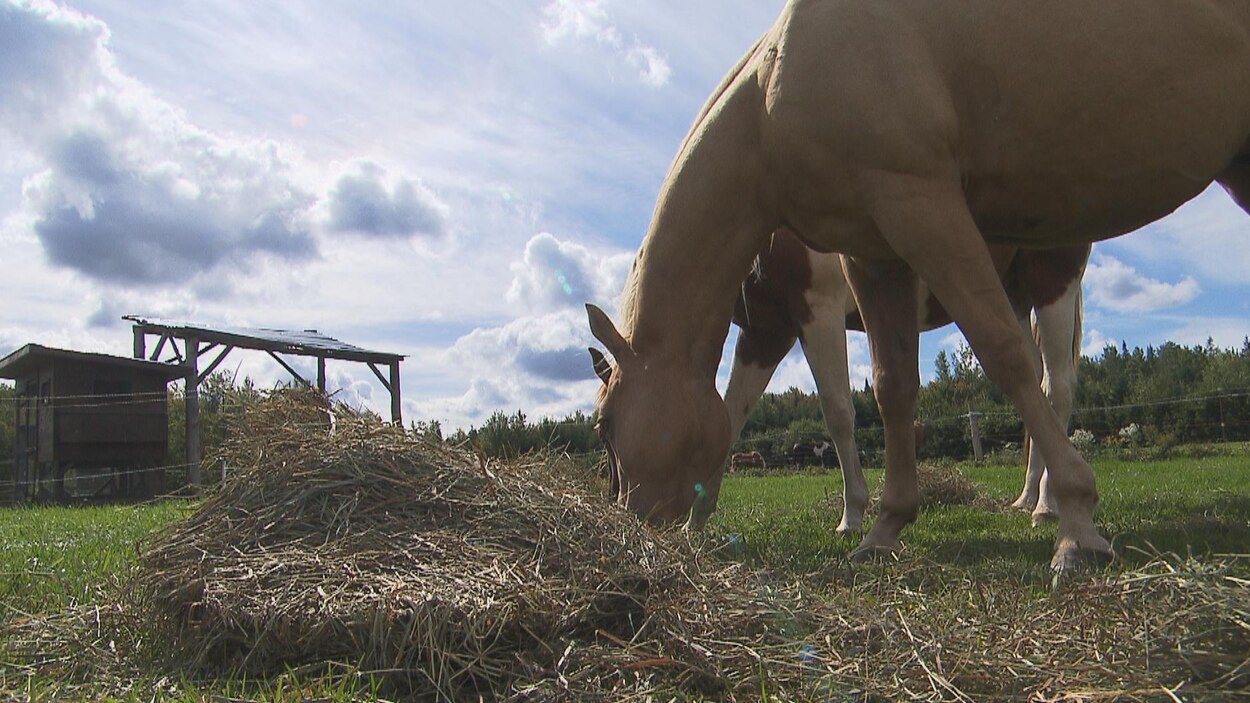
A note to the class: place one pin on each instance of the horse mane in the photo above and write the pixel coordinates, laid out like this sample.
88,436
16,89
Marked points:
629,296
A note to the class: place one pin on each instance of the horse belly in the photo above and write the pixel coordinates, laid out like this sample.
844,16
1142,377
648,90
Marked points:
1093,132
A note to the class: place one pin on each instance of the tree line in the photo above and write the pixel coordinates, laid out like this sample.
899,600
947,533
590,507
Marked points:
1154,396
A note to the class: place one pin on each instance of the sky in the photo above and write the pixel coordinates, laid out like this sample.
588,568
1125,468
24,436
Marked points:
447,181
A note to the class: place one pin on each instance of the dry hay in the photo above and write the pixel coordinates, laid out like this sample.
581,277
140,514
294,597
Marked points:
947,485
456,580
340,538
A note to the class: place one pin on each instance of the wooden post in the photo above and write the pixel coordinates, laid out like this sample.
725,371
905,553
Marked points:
321,374
140,343
396,399
193,411
974,420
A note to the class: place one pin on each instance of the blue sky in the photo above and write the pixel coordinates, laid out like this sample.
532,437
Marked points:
449,181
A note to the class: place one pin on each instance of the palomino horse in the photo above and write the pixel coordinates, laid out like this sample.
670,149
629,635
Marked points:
905,135
795,293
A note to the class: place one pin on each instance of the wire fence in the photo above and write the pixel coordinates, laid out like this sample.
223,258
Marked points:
993,434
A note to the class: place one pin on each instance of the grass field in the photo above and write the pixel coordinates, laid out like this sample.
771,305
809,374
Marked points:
1182,506
56,559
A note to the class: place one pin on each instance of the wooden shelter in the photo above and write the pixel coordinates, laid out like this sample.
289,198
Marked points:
89,426
187,344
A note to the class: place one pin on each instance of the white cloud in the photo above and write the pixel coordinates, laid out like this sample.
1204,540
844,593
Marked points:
579,19
1114,285
1094,341
128,192
539,364
367,200
555,274
589,20
1206,236
653,68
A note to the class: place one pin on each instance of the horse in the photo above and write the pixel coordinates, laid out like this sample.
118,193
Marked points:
907,135
795,293
743,459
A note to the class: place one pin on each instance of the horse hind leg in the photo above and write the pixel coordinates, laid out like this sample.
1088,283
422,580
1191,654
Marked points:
1034,465
927,222
1058,327
885,292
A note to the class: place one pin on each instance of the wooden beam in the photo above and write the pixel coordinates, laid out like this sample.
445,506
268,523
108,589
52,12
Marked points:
216,362
290,370
385,383
321,374
140,343
160,345
193,412
396,401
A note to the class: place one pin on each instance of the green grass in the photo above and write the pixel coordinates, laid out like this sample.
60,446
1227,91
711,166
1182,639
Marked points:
1181,506
54,559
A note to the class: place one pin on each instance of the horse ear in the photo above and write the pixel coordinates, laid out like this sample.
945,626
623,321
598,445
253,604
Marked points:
604,331
602,368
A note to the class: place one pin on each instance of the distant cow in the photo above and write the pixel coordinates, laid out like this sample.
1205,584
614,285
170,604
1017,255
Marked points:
745,459
807,453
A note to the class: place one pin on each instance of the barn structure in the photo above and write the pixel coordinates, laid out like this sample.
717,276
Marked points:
186,344
90,427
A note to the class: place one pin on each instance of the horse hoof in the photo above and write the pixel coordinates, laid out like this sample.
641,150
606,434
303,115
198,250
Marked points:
1024,505
865,553
1045,516
1072,557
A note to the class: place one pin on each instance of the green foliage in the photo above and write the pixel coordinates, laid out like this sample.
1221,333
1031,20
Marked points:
510,436
222,403
1177,395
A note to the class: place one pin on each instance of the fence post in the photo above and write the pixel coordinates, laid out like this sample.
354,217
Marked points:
974,421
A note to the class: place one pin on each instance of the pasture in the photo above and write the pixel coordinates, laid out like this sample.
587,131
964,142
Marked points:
966,613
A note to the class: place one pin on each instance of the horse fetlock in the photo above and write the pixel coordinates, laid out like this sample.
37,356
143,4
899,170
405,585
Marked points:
869,551
851,524
1026,502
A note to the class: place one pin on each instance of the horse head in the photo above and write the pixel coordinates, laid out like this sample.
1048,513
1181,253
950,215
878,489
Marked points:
665,432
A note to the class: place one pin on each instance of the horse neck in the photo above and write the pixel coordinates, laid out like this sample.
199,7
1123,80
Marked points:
710,222
687,283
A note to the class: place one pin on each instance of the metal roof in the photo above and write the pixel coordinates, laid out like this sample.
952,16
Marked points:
298,342
31,356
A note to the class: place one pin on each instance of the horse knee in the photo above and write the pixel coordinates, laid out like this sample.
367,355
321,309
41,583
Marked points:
896,393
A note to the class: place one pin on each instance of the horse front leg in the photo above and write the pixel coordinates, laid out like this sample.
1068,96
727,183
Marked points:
927,222
824,345
885,292
756,356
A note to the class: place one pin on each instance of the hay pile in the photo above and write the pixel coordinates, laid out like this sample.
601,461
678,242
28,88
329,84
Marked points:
350,542
339,538
947,485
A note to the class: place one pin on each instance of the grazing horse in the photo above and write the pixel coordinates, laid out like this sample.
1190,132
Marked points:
795,293
752,459
906,134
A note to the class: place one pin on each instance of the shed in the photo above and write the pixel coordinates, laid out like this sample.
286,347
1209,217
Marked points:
198,340
89,426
